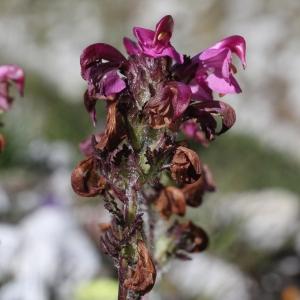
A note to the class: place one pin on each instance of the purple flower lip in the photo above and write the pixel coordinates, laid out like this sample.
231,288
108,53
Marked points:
154,43
217,62
100,64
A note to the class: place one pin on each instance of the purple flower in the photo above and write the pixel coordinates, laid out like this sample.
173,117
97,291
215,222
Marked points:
100,64
154,43
10,74
212,70
216,68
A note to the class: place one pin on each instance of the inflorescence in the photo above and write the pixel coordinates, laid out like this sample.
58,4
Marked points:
156,100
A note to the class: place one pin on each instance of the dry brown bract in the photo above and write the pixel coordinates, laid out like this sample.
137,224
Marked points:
142,278
185,166
171,201
86,180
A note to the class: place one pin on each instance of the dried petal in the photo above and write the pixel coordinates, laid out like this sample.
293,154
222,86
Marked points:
114,130
86,180
185,166
194,192
170,201
208,113
142,278
168,104
188,237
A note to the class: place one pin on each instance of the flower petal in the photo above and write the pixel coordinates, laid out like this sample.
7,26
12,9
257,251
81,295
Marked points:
15,74
192,130
144,36
209,112
112,83
163,31
216,61
95,53
222,86
131,47
181,97
236,44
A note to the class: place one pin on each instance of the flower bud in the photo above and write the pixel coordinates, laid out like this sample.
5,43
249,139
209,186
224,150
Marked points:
185,166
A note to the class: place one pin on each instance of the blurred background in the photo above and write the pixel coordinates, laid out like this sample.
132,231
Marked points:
48,236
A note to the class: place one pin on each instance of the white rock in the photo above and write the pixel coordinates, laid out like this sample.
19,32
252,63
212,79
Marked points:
210,277
266,219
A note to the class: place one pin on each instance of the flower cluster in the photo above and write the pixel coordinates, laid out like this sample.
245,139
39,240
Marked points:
141,164
9,74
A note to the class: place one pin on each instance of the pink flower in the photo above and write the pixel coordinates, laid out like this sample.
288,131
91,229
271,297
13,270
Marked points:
10,74
216,68
100,64
154,43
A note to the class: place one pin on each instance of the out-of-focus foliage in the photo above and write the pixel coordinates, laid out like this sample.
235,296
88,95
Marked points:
101,289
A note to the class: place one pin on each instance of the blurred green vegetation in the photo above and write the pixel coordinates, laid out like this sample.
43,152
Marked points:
241,162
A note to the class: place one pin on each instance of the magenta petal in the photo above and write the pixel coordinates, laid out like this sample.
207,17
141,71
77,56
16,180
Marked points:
217,61
97,52
222,86
112,83
163,31
171,52
144,36
191,129
15,74
200,89
131,47
236,44
181,97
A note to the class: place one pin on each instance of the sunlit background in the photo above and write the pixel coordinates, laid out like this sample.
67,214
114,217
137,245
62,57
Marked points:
48,236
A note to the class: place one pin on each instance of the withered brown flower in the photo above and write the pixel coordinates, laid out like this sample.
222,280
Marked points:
185,166
188,237
168,104
86,180
159,110
114,130
193,192
142,278
2,142
170,201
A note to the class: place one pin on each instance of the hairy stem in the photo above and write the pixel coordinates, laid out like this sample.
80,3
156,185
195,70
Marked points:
122,271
